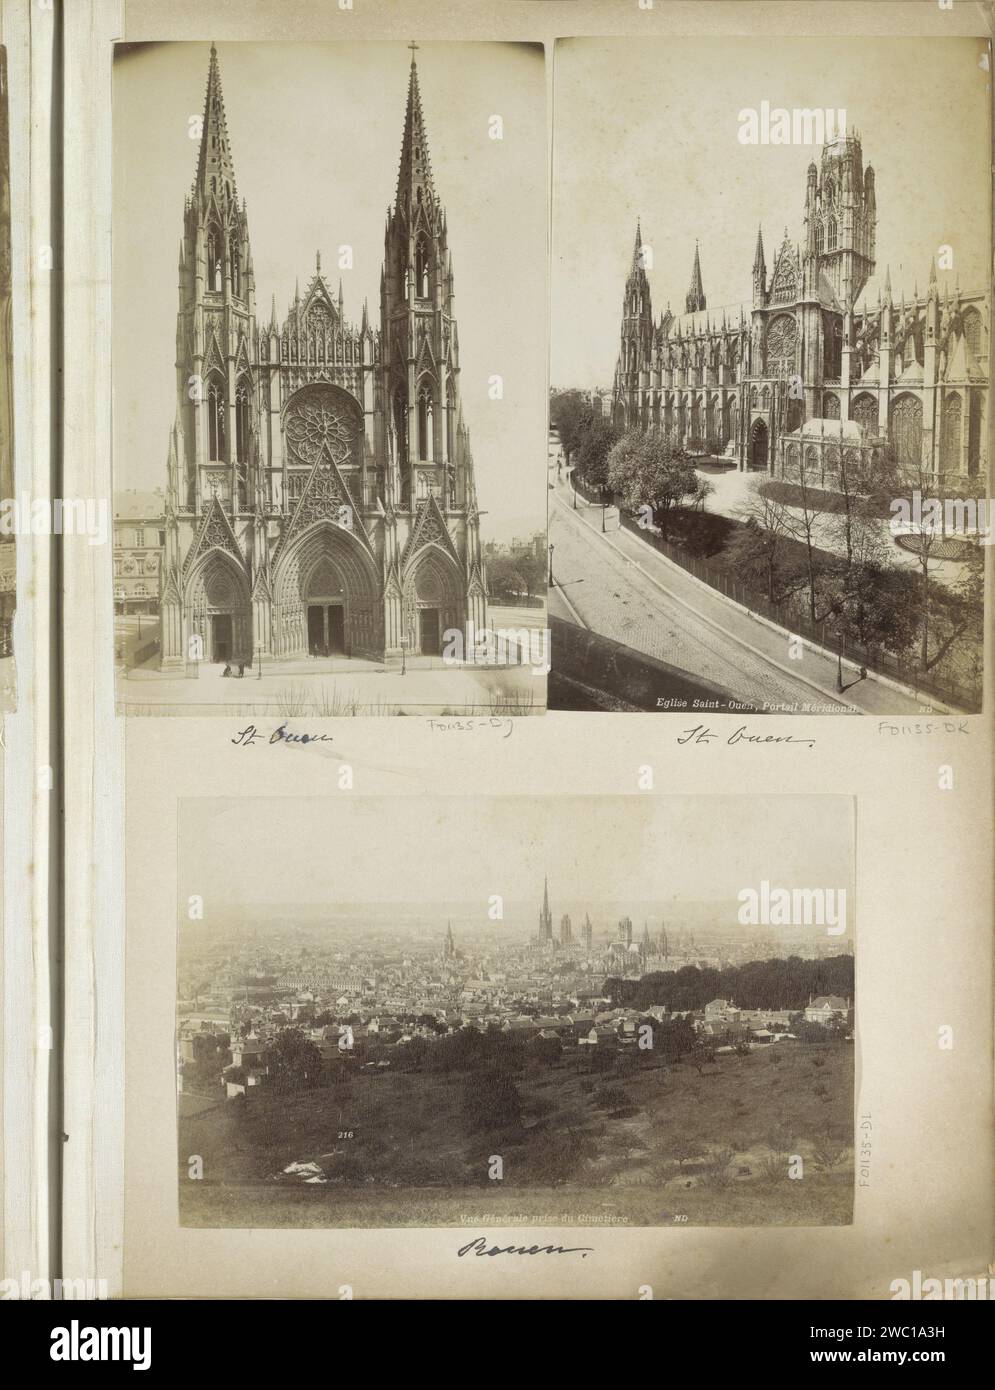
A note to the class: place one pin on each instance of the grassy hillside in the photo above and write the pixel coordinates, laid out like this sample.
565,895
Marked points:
641,1143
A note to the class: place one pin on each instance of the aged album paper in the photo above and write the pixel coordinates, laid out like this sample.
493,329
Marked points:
682,990
31,534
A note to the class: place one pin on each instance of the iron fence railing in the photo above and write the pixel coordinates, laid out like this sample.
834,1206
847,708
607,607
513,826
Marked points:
961,695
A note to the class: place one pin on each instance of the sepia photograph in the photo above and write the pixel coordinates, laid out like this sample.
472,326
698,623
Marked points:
329,378
768,458
650,1028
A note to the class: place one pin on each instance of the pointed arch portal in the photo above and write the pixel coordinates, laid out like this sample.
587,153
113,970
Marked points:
433,600
326,596
219,607
758,445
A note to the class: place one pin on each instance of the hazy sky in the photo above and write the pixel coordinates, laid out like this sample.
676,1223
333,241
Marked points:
650,128
347,850
315,132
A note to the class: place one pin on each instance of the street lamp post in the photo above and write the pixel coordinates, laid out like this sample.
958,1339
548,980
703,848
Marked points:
551,549
861,671
839,665
604,503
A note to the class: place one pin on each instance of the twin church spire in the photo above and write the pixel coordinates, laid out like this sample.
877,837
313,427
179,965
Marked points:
414,176
215,167
280,425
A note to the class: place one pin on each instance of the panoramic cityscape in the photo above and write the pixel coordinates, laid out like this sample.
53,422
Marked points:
343,1063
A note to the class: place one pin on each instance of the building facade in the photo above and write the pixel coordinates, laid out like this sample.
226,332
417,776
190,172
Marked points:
813,343
139,535
320,495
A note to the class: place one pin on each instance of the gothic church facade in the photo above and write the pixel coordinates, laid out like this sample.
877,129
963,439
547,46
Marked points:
320,494
813,370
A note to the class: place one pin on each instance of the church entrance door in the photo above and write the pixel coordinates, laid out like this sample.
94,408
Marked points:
428,632
758,446
336,629
221,639
315,629
326,629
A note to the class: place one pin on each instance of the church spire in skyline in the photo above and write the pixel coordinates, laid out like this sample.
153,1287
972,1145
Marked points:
696,294
414,175
215,166
545,916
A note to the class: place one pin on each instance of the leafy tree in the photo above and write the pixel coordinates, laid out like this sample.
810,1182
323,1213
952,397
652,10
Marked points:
683,1149
569,415
546,1050
597,442
873,605
295,1062
531,569
647,470
514,573
210,1050
702,1055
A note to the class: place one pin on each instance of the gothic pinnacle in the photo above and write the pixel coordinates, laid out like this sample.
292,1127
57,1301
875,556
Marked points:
696,293
215,170
415,171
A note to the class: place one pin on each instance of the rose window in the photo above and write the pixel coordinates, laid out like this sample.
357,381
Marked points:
319,423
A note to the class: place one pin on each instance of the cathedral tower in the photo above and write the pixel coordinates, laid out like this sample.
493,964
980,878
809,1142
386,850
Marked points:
420,338
320,498
840,218
545,916
636,345
213,442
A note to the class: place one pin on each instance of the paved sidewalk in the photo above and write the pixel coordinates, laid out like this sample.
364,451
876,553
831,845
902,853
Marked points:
625,589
